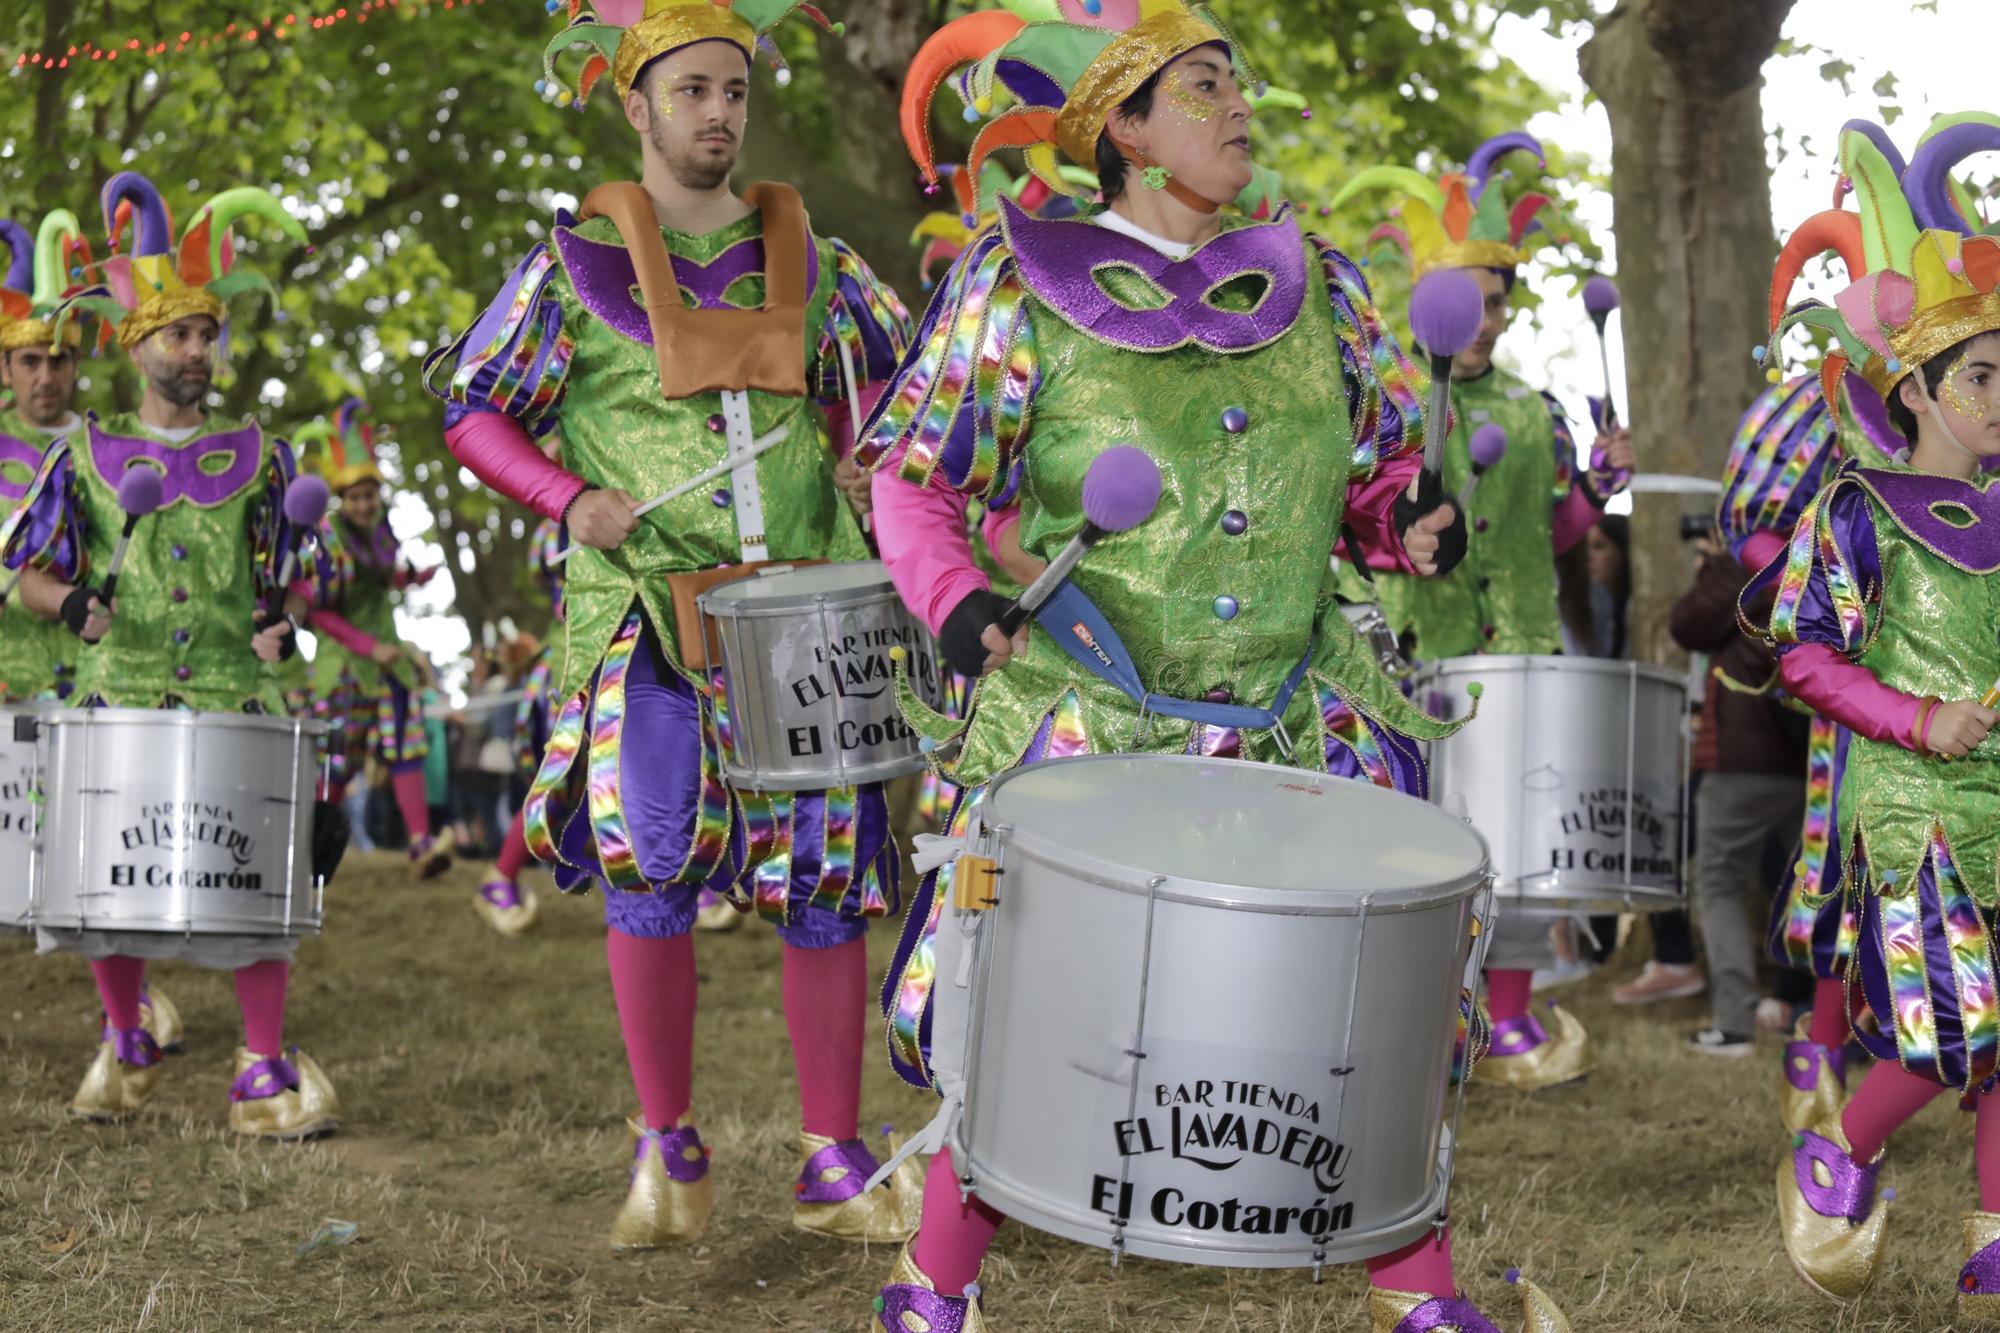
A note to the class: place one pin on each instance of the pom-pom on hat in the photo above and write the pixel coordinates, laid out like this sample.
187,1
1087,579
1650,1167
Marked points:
1463,218
1923,272
623,37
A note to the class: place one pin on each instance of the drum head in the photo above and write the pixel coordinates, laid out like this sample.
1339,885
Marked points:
1249,834
798,587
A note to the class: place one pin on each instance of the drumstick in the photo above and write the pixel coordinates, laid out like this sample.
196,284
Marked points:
306,500
1446,310
1600,298
1489,444
762,444
1120,491
139,494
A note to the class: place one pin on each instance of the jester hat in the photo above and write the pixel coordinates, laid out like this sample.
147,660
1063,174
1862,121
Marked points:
40,273
1462,219
343,450
1922,272
625,36
1066,64
944,235
154,285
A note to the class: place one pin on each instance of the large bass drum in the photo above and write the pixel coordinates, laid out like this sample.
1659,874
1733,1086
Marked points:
185,823
1575,771
1204,1010
808,696
17,815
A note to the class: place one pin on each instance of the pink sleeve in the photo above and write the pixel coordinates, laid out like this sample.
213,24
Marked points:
1760,548
921,534
498,450
1823,679
996,525
1371,513
341,630
840,423
1573,517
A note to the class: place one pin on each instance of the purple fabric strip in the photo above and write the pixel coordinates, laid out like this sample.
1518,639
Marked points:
672,1146
134,1047
852,1154
266,1078
501,893
1813,1056
1920,502
1060,261
1981,1274
1517,1036
602,275
181,464
1446,1312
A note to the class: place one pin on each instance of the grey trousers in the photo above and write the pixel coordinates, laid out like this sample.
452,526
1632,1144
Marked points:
1734,814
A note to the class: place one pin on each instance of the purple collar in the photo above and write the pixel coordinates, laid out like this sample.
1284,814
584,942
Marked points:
1954,519
241,451
601,273
1059,261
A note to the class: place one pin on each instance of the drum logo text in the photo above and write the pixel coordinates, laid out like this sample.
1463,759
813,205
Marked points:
183,826
1605,812
17,810
1217,1125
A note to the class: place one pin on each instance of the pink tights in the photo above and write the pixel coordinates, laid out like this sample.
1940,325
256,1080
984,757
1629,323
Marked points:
260,994
1507,991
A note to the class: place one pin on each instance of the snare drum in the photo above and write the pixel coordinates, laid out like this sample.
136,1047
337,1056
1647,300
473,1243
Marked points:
1576,773
17,815
808,696
184,823
1210,1016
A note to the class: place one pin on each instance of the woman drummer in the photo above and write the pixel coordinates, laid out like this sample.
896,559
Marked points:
1274,405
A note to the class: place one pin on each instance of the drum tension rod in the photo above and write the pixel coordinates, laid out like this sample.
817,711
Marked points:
1342,1071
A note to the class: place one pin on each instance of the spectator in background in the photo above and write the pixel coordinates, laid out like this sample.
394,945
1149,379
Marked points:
1749,757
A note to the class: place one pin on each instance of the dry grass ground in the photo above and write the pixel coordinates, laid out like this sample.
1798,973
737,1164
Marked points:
484,1154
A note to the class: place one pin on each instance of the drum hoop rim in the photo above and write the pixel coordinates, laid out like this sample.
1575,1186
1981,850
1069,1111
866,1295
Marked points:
1202,892
764,608
755,580
1555,664
67,715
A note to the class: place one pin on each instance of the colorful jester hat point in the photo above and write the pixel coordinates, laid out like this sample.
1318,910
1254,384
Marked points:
1921,276
1066,65
41,274
623,37
1462,219
945,234
155,284
342,450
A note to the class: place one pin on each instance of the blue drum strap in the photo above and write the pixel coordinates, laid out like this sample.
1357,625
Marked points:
1074,622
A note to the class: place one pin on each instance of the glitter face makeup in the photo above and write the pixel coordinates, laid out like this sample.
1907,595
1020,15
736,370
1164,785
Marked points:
1187,101
1972,409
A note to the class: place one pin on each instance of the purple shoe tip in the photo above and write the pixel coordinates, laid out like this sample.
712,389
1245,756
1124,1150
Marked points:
1513,1275
1889,1195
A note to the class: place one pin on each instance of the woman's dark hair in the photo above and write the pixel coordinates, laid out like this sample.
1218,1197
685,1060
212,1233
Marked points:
1617,528
1932,372
1507,277
1111,164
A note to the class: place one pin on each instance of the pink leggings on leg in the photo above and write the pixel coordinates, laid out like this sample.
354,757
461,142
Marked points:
826,1003
407,780
1507,992
1886,1098
513,854
119,981
1422,1266
954,1236
260,994
1829,1026
653,981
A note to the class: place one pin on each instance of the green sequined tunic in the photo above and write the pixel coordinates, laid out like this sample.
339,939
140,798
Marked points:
34,653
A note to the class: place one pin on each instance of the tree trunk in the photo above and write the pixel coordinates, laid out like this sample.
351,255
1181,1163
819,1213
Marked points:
1692,195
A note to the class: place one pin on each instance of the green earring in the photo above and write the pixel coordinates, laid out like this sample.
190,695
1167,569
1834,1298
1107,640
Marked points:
1156,177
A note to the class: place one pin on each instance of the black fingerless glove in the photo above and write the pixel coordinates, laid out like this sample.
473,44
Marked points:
287,645
959,640
1430,494
76,610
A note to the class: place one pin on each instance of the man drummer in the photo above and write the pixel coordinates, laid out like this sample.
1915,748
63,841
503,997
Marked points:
195,623
1525,509
778,336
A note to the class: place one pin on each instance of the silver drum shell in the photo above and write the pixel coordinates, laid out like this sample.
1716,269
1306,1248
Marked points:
1093,986
177,822
17,816
1575,771
811,690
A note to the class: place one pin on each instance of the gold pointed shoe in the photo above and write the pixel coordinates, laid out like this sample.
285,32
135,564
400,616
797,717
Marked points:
508,907
716,913
830,1198
159,1016
278,1098
672,1193
1526,1055
1827,1209
431,856
911,1303
1392,1311
1815,1085
121,1076
1979,1280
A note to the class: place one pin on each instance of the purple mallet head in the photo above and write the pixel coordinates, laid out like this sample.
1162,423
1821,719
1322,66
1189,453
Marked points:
1488,443
1121,488
139,490
1600,296
1445,311
305,501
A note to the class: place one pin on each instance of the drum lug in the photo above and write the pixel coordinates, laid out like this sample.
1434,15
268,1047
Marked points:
1319,1262
975,883
26,731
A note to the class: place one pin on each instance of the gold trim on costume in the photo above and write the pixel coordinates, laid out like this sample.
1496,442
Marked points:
1930,331
671,29
1134,56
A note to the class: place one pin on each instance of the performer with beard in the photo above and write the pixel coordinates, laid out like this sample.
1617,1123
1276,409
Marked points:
751,329
185,630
